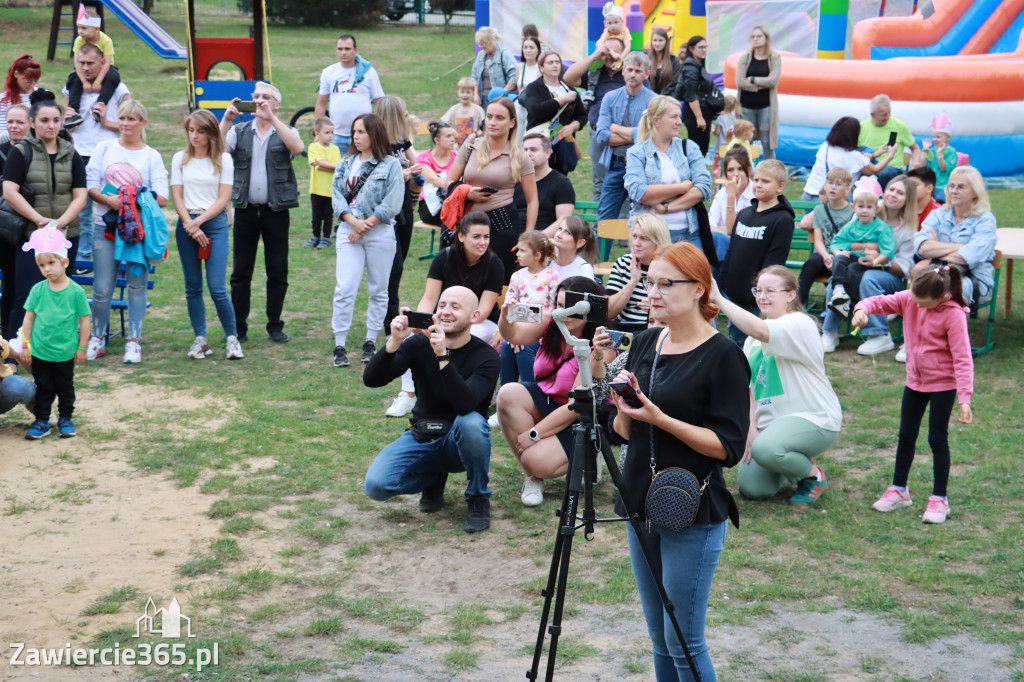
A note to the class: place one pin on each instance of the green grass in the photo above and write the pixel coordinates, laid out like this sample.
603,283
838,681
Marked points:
293,436
112,603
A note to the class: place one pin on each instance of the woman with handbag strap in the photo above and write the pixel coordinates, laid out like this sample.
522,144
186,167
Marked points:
548,100
18,125
495,161
47,161
692,382
693,82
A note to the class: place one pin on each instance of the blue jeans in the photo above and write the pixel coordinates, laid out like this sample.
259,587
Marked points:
876,283
15,389
762,120
686,562
406,467
105,273
342,142
85,235
517,366
613,193
216,230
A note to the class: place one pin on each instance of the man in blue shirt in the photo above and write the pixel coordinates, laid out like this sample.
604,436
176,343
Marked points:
621,112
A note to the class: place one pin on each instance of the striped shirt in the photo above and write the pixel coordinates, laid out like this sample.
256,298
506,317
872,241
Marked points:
618,279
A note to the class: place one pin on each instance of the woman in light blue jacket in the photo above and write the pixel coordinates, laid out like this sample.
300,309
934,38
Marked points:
494,67
665,174
367,195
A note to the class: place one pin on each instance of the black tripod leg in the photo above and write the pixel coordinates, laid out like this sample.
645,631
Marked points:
634,520
558,574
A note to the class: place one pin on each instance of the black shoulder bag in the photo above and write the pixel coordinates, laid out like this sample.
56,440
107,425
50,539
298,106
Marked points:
674,496
13,225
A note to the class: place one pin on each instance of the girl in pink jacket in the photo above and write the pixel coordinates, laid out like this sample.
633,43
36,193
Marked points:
939,370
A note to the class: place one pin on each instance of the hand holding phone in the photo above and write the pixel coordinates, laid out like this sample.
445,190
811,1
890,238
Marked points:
628,393
620,340
487,189
892,138
525,312
246,107
419,320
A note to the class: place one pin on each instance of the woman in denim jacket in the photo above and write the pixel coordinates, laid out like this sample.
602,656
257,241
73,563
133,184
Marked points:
367,195
665,174
494,67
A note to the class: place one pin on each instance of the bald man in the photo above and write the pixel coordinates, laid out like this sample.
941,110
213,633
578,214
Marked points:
455,375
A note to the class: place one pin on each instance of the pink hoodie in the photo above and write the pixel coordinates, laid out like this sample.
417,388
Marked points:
938,347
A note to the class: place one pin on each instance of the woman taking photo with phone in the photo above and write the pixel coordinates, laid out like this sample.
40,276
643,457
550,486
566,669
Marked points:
202,176
692,383
495,161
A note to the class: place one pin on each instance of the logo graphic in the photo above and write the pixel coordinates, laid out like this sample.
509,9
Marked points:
170,621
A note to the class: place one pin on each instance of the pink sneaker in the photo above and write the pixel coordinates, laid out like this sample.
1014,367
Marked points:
937,510
893,498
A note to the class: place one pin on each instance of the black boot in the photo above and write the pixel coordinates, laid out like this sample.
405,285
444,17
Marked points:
479,514
432,498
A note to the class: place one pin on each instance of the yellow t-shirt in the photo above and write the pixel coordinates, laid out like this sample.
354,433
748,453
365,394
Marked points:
319,179
105,44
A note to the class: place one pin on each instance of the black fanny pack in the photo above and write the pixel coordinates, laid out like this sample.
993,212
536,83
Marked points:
427,430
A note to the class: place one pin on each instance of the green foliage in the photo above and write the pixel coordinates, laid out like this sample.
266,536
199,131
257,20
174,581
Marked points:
346,14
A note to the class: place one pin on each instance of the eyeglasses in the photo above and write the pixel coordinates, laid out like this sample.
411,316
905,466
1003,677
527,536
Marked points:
262,95
663,284
767,293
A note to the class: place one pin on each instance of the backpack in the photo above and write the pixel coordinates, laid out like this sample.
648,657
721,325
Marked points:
155,225
129,221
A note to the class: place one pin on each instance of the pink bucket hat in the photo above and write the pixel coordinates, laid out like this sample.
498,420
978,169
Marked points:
48,240
867,185
941,124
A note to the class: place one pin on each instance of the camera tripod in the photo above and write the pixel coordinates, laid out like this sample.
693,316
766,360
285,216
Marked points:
588,441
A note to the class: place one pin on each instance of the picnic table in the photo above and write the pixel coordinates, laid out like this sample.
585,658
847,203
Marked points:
1011,244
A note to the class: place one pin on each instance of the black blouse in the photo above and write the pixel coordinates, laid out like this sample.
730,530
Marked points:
706,387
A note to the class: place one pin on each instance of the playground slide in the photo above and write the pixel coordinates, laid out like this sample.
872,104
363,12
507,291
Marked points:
146,29
947,30
1010,39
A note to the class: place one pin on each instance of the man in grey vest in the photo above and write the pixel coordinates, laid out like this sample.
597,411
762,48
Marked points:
264,189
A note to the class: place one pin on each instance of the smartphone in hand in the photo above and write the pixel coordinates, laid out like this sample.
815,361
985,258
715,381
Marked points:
628,393
892,138
420,320
525,312
246,107
620,340
487,189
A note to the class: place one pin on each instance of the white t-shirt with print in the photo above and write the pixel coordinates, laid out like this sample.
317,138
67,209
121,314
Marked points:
346,101
114,165
788,374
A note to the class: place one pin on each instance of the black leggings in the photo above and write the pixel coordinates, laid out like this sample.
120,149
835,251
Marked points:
403,235
701,137
54,380
323,215
505,231
911,414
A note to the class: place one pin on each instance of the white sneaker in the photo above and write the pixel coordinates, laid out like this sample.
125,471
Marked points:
401,406
901,354
96,348
533,492
876,344
234,349
199,350
830,341
492,421
132,353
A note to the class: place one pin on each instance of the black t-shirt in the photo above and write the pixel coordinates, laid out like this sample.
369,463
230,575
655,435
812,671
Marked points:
5,149
552,190
762,98
706,387
465,385
487,275
15,169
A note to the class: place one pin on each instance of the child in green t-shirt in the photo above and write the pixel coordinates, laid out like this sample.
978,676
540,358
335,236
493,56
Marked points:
848,263
941,157
55,331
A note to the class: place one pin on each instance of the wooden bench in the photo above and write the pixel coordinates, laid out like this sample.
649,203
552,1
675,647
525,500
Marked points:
120,303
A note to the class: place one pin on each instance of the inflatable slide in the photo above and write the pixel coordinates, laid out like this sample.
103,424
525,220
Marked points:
961,57
146,29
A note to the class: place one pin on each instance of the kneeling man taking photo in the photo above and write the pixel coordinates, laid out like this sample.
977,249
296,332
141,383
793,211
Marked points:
455,375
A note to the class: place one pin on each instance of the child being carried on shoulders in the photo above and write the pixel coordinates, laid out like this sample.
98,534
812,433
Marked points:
88,25
54,333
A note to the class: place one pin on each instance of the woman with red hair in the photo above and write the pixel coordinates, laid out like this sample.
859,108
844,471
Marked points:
21,82
694,414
